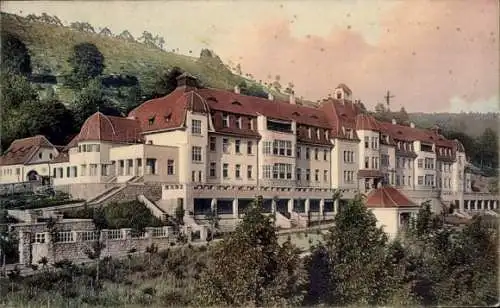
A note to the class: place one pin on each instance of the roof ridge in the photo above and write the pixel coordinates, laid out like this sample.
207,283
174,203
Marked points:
389,195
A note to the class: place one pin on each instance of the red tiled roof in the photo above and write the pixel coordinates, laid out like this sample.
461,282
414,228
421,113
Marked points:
100,127
21,150
342,116
168,111
366,122
231,102
388,197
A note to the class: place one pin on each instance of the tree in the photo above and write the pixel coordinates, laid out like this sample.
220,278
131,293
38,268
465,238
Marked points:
125,35
238,69
82,26
470,145
15,57
249,267
213,219
162,82
354,251
86,62
402,116
91,99
488,149
252,90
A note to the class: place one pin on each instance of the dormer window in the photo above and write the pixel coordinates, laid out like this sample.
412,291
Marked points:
236,103
225,120
40,155
250,123
317,133
399,144
326,135
238,122
151,120
309,132
168,117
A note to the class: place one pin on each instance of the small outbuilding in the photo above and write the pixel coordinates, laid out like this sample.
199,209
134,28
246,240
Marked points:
392,209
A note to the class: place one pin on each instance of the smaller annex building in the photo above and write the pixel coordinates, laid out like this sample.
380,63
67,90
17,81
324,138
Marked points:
392,209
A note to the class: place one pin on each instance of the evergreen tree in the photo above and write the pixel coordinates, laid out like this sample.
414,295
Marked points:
15,57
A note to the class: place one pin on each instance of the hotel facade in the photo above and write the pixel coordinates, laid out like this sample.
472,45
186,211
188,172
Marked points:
211,147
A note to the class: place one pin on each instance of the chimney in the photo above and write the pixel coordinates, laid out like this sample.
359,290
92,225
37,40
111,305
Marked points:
412,125
270,96
292,98
236,89
394,121
187,81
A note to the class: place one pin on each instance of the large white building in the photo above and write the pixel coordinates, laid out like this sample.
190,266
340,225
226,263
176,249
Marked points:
212,147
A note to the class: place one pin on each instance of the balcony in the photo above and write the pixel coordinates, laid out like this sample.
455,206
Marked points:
279,126
278,182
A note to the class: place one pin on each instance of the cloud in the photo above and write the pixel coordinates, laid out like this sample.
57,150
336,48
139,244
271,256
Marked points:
430,54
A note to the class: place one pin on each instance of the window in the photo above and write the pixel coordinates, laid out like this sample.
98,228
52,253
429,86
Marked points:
398,182
316,154
193,176
282,148
308,174
237,172
249,147
409,181
298,152
18,171
384,160
237,146
267,147
212,171
196,154
213,144
420,163
238,122
298,174
308,153
249,172
367,162
40,155
429,163
51,156
266,171
225,145
225,172
196,127
348,176
250,125
225,120
317,133
170,167
420,180
309,132
403,180
68,171
200,176
367,142
39,237
316,175
325,154
282,171
348,156
325,175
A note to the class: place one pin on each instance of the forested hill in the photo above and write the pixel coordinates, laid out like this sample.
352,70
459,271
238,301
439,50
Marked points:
473,124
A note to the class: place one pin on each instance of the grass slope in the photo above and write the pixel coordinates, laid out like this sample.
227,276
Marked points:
50,47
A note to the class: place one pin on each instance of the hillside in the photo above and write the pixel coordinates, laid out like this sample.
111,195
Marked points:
50,47
473,124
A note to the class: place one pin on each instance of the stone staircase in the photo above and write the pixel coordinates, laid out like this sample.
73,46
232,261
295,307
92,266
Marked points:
282,221
155,210
298,220
108,193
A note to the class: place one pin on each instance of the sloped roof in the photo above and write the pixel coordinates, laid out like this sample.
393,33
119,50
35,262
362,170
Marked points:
388,197
100,127
63,157
367,122
21,150
231,102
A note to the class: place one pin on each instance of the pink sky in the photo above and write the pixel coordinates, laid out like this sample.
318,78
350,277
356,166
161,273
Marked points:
435,56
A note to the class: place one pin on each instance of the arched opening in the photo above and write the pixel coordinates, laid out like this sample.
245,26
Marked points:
33,176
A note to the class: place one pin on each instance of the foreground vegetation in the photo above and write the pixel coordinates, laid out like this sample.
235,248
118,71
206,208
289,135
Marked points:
355,264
